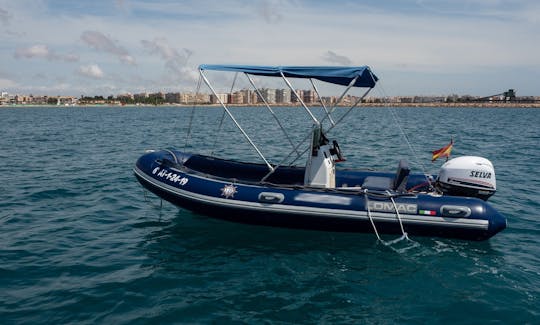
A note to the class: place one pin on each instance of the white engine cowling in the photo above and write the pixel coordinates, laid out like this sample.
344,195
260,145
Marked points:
467,176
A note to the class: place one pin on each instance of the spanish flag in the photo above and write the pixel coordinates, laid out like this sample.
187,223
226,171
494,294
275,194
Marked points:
443,152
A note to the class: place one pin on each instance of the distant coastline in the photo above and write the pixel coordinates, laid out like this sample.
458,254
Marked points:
273,97
464,105
381,105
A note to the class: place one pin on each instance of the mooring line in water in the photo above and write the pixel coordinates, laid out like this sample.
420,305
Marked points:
370,218
398,216
147,200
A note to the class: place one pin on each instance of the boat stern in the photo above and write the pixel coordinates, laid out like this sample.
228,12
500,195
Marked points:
497,221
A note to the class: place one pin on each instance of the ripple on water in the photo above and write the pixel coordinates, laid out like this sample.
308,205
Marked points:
82,243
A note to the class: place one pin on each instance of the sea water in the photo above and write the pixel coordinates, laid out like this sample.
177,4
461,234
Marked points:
82,242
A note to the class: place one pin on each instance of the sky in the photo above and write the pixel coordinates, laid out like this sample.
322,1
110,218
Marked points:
417,47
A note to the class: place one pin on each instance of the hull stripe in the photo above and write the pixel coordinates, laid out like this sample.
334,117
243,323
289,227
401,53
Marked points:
303,210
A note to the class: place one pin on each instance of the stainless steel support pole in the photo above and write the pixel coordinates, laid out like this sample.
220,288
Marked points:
234,120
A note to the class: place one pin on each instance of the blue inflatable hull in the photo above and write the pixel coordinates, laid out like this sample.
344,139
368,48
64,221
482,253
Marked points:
212,187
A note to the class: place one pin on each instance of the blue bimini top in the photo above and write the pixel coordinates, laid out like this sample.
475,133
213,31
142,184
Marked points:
336,75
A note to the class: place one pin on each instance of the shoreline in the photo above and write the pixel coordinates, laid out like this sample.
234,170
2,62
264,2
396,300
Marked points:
464,105
381,105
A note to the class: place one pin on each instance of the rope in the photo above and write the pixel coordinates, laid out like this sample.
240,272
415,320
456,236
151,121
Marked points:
370,218
193,112
218,133
404,234
409,144
147,200
398,217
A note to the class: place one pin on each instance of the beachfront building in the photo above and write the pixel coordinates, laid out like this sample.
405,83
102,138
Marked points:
224,98
237,98
173,98
309,96
202,98
283,96
248,96
140,97
66,100
269,95
299,94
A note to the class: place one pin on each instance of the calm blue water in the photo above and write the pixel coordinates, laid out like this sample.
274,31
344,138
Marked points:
80,242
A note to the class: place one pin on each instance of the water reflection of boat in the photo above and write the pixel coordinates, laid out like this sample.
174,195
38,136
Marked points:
317,195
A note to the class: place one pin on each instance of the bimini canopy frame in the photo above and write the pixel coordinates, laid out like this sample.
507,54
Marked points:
349,77
335,75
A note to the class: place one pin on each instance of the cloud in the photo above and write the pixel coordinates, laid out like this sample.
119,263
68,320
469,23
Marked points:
35,51
103,43
161,46
123,6
458,41
5,17
332,57
7,83
175,61
42,52
120,4
270,12
91,71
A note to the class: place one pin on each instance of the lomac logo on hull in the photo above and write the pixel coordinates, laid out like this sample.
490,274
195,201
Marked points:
389,207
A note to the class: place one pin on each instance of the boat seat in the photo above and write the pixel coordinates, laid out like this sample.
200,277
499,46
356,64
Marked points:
402,176
383,183
378,183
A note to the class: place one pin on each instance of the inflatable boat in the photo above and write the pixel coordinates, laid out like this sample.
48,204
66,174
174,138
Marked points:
317,195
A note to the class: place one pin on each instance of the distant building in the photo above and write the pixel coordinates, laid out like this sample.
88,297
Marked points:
510,95
309,96
220,97
248,96
173,98
126,95
236,98
329,100
202,98
4,98
140,97
283,96
66,100
157,95
405,99
187,98
269,95
298,93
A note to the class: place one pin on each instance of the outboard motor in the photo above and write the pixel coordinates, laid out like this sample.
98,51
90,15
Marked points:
467,176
